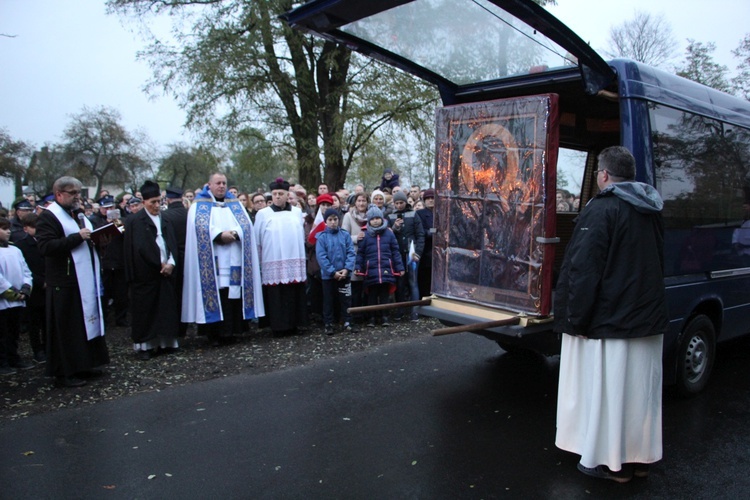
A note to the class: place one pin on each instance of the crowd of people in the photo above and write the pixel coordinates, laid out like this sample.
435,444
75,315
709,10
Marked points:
221,258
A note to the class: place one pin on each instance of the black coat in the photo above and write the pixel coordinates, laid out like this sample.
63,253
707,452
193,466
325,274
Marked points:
153,295
56,248
176,217
411,230
612,282
427,216
33,257
68,350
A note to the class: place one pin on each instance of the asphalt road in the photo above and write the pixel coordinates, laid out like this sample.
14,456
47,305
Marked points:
436,418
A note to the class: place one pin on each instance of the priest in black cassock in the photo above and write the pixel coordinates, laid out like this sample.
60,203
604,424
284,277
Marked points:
150,252
75,325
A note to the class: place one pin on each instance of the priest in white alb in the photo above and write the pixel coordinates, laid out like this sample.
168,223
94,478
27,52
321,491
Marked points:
222,286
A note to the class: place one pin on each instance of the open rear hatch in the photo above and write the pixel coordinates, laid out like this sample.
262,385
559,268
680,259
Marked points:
493,245
462,46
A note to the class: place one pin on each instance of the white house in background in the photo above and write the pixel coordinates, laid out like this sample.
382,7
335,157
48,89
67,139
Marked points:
7,188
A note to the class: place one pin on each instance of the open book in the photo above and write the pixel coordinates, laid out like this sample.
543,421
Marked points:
104,234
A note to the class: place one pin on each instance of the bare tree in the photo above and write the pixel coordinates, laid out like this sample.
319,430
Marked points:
645,38
100,147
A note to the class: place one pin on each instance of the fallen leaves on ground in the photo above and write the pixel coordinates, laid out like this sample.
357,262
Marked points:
30,392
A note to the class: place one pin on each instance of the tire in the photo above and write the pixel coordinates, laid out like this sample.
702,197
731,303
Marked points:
696,353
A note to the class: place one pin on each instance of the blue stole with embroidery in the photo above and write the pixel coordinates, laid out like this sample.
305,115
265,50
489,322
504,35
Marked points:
208,269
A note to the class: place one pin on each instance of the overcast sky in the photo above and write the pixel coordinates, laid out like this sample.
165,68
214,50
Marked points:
65,54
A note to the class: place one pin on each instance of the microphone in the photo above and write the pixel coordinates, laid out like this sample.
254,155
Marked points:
81,219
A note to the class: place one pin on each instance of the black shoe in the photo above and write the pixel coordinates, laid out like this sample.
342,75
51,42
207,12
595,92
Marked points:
7,370
603,472
386,322
328,330
144,355
22,365
641,470
93,373
40,357
69,382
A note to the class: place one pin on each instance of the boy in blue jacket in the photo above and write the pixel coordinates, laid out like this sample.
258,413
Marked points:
379,261
335,253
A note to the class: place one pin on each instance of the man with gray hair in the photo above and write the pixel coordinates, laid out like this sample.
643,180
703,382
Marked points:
610,307
75,323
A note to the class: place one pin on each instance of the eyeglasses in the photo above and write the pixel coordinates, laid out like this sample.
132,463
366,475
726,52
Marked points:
72,193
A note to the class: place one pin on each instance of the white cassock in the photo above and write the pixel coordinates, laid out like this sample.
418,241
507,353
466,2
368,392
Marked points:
209,266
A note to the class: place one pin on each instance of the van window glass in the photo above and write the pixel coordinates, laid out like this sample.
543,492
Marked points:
702,174
571,167
465,41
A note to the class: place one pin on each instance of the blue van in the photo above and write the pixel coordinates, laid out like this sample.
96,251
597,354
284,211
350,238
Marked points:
527,106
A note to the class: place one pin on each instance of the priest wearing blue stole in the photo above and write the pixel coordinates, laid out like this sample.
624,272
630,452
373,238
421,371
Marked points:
222,284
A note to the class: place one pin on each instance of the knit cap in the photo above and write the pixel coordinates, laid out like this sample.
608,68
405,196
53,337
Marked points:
376,193
399,196
329,213
374,212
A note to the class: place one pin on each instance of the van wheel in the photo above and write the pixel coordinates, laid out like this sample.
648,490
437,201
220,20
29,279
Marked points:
695,355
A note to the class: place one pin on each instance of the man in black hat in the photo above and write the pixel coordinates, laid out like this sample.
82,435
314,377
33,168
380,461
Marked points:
23,207
135,204
150,260
99,219
175,216
46,201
